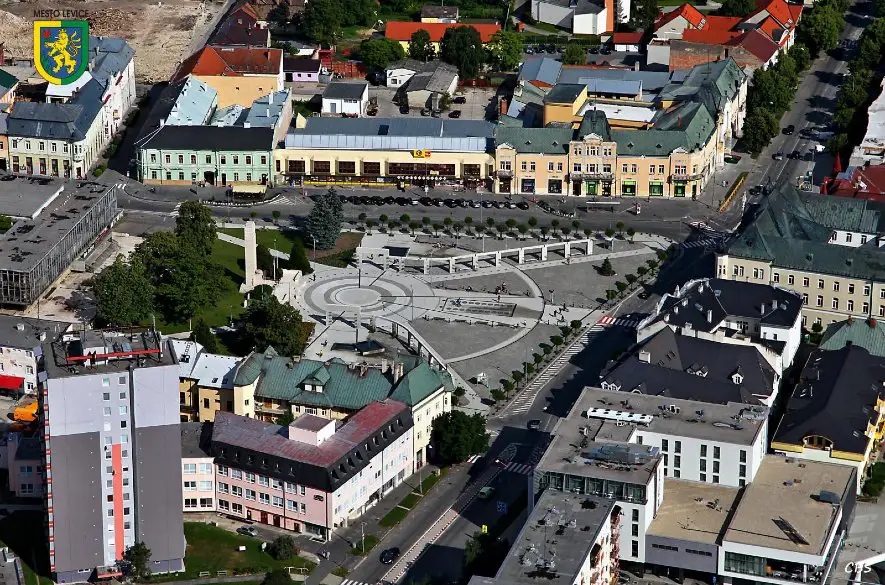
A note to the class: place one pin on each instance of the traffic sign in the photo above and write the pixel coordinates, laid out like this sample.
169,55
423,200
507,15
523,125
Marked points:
485,529
502,507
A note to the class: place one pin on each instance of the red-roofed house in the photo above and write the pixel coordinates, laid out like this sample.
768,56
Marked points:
240,75
684,37
314,475
403,31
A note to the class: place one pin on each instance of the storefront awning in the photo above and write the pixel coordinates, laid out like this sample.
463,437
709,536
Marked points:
11,382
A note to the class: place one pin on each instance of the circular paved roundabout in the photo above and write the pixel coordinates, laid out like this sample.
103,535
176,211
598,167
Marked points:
377,296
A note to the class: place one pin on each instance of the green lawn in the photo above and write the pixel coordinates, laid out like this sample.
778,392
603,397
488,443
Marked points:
285,239
410,500
548,27
394,517
212,549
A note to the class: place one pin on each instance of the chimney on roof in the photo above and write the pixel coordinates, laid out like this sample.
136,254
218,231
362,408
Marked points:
397,372
762,309
710,316
270,98
645,356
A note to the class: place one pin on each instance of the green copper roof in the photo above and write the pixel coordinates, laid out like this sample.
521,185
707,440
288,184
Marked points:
688,126
792,230
343,386
869,335
595,122
7,80
711,84
535,140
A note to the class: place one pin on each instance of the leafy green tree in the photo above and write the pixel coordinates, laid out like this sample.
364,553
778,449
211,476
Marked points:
736,8
533,222
379,52
5,223
277,576
203,335
456,436
631,279
195,227
643,14
298,257
760,126
267,322
574,54
575,324
324,220
506,49
285,419
631,233
621,286
462,47
820,28
556,340
420,47
283,548
136,559
484,554
321,21
123,293
279,14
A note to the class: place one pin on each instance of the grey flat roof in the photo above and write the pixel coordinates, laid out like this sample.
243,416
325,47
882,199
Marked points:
23,196
29,240
62,358
694,511
195,439
25,332
574,449
652,81
774,498
562,526
564,93
346,91
732,422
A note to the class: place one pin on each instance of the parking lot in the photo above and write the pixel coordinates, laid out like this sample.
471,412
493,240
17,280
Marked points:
595,55
369,201
478,103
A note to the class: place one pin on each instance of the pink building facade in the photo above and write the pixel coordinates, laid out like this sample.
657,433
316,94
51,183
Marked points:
316,474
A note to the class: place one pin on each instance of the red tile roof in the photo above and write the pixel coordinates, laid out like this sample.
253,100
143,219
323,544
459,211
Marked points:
773,30
686,11
722,22
246,10
864,183
231,62
758,44
627,38
402,31
780,11
709,37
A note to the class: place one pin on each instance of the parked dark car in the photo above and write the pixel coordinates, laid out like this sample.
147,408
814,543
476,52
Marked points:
376,200
389,556
389,200
605,51
459,100
593,50
789,130
404,109
425,112
534,424
779,155
522,205
455,114
551,48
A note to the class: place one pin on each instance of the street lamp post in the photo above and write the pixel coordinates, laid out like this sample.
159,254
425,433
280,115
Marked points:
363,536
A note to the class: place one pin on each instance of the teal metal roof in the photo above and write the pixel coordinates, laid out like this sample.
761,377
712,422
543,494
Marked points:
688,126
595,122
793,230
344,385
535,140
869,335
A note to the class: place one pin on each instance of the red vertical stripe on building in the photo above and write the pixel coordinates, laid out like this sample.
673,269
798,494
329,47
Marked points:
117,462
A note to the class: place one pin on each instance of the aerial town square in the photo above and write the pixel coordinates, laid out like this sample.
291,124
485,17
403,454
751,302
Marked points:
425,292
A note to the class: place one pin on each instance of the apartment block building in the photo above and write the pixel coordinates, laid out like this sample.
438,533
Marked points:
21,347
585,550
826,249
197,468
733,313
112,452
720,444
315,475
267,385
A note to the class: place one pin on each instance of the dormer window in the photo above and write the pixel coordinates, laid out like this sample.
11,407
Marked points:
737,378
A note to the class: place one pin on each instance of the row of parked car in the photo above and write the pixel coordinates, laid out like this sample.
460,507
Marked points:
377,200
553,49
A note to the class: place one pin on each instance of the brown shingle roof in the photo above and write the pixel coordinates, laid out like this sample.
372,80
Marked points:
231,62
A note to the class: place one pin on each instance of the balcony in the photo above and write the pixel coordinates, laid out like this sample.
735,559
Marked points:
267,409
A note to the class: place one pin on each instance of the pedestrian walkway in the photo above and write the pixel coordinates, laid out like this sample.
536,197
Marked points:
609,321
523,402
352,582
174,212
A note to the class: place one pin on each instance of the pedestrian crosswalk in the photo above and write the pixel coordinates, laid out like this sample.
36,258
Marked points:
522,468
174,212
473,458
608,321
702,243
352,582
525,400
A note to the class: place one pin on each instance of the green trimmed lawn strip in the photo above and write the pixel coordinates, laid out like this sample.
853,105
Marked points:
394,517
285,239
410,500
370,542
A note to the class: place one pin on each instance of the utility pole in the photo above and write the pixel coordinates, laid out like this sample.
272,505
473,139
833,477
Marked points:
363,536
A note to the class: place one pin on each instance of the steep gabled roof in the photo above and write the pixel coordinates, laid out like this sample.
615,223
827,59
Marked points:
762,47
231,61
686,11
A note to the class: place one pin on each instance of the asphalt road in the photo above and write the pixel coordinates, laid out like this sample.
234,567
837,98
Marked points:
814,105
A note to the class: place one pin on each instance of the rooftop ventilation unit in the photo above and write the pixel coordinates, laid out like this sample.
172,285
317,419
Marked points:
618,415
